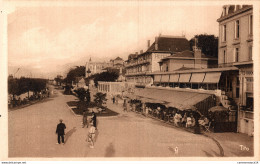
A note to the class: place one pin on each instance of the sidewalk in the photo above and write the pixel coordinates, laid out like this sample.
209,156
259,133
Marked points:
235,144
232,144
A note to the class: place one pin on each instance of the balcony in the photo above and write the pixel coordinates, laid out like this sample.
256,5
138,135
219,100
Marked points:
138,73
222,65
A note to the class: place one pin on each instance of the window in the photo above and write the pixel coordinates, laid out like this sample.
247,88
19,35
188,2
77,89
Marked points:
250,25
224,33
224,56
250,53
237,29
236,54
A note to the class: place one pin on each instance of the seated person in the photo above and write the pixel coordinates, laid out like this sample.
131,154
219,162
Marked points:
193,122
177,119
189,122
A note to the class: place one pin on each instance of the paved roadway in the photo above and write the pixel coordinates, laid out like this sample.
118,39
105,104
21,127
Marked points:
32,134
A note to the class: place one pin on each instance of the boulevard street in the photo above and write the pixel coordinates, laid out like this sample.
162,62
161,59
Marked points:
32,134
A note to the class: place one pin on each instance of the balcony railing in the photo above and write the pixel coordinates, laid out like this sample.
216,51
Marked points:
225,65
138,73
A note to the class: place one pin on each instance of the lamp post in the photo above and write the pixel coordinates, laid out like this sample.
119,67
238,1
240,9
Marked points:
88,74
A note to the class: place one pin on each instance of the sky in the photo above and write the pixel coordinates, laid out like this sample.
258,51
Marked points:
46,41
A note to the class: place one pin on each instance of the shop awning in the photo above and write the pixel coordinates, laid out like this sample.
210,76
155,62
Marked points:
178,99
157,78
212,77
218,109
165,78
184,78
131,96
149,100
174,78
197,77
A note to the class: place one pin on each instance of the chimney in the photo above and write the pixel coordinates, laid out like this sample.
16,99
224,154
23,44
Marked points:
148,44
197,56
136,53
156,43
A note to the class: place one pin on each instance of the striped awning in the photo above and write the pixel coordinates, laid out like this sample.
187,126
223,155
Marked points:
174,78
165,78
157,78
212,77
197,77
184,78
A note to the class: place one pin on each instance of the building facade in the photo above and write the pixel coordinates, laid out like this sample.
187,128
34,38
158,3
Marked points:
140,66
96,67
187,59
235,50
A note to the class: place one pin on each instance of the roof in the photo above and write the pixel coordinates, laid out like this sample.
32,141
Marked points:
232,12
187,55
183,68
178,99
77,79
198,70
172,44
118,58
131,56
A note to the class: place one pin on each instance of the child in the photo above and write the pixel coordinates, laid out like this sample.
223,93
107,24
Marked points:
91,135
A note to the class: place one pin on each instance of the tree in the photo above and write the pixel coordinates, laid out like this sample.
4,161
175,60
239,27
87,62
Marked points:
105,76
37,85
81,92
100,98
79,71
13,86
23,85
207,43
88,96
58,79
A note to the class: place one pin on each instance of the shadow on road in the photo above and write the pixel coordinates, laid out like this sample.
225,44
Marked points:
211,155
69,133
96,135
110,150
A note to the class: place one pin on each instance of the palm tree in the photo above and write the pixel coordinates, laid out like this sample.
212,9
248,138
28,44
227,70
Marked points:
100,98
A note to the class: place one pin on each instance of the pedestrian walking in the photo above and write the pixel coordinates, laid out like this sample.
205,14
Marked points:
91,134
124,106
85,119
94,120
60,131
113,99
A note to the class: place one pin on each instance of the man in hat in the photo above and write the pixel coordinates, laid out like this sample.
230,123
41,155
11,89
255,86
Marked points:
60,131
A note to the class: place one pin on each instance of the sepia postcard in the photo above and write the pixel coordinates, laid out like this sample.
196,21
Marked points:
129,81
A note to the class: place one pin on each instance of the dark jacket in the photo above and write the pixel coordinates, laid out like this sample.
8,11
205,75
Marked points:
60,128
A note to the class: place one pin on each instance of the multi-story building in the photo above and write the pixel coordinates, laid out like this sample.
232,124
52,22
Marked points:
187,59
96,67
117,63
235,50
138,66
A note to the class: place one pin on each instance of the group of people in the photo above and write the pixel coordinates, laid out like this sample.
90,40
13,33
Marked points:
115,100
178,118
14,101
60,130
